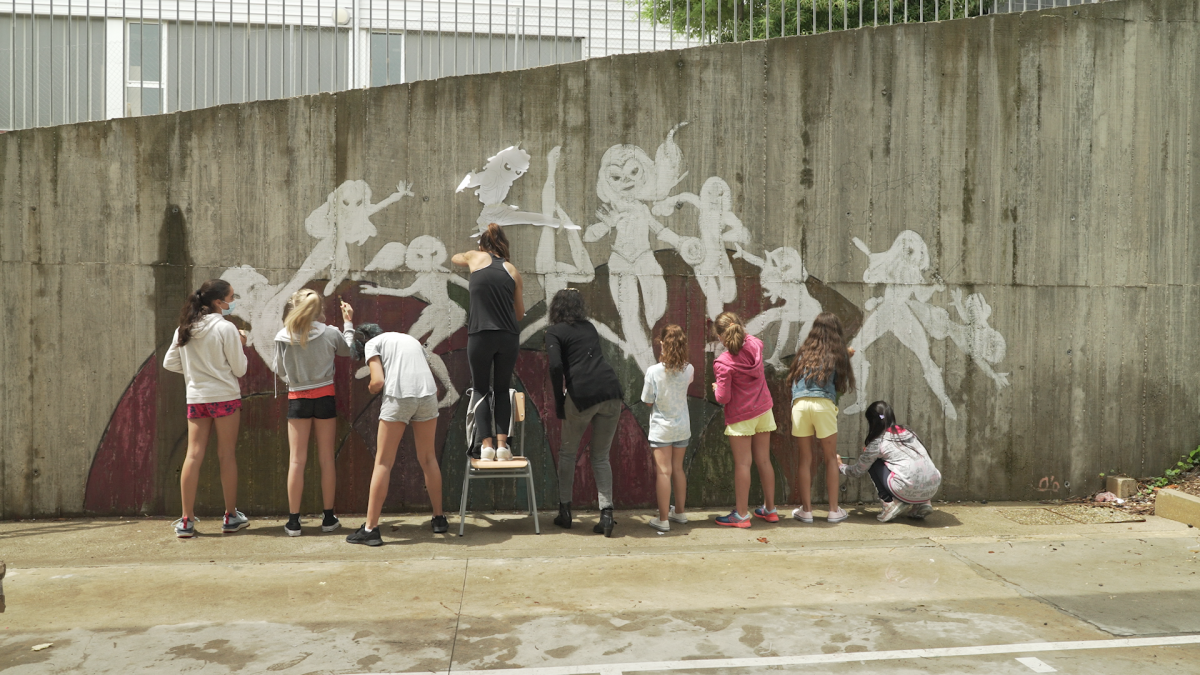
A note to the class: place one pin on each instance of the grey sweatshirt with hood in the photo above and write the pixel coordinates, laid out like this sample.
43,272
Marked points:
309,366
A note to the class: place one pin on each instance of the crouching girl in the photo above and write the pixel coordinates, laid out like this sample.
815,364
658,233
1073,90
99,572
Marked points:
899,465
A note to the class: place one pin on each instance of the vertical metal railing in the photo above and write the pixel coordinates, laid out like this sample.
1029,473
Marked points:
70,60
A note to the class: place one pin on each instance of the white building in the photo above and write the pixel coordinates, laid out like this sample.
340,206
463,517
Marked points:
64,61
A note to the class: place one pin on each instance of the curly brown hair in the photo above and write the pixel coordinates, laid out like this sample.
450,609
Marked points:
823,354
674,355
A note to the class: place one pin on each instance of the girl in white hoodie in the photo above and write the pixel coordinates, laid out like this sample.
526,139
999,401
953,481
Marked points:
304,352
899,465
207,349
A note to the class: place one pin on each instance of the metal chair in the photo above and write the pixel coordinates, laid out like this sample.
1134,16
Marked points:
518,467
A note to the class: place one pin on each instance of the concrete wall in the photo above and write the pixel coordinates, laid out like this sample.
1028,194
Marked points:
1026,185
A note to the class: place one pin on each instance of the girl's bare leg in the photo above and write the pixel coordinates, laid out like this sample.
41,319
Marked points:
679,478
326,438
662,480
189,476
298,433
761,449
804,480
832,475
389,437
227,433
742,459
423,434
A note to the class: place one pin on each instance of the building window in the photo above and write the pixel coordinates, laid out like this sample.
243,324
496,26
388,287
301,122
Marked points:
144,88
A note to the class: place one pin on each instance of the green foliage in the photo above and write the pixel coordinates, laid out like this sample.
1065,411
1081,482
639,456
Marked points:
1186,463
733,20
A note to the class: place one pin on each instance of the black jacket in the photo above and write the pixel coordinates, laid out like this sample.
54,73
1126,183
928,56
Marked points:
574,351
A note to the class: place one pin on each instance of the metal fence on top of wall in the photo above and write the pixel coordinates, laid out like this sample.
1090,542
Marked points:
64,61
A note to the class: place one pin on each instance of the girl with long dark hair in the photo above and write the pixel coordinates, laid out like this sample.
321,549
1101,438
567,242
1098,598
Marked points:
492,338
208,350
899,465
820,372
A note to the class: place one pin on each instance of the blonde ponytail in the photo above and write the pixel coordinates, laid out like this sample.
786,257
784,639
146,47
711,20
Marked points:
730,330
305,306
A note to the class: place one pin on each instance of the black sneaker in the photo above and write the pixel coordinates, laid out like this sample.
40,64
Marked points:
330,524
440,526
361,536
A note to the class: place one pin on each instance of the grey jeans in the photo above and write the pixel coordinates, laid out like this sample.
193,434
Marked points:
604,418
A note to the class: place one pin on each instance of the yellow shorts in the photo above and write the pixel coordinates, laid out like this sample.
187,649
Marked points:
764,422
814,416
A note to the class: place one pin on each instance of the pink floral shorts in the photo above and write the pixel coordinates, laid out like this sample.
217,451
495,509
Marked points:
223,409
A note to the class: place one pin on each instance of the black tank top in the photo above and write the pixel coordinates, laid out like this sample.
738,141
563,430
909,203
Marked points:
492,291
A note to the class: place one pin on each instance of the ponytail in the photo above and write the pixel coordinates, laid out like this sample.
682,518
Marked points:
198,304
494,241
730,330
304,307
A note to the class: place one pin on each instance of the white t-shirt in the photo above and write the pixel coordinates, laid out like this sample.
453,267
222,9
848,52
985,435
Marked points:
667,392
406,372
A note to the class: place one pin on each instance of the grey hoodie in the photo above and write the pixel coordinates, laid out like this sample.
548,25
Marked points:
309,366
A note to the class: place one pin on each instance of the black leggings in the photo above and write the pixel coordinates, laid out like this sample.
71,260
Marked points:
879,475
492,355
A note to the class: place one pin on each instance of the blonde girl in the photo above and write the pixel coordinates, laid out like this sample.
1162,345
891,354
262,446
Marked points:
741,386
819,374
209,352
665,389
304,351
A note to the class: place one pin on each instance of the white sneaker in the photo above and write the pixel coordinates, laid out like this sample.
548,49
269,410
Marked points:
891,510
801,515
660,525
488,454
503,454
838,516
677,517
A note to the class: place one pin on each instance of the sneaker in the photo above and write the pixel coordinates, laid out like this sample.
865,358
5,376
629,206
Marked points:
891,510
361,536
801,515
677,517
661,525
503,454
440,525
330,524
919,511
287,527
771,516
838,516
234,522
488,454
734,520
185,528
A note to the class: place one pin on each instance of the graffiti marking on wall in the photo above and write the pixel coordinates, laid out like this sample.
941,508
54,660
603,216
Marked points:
344,218
782,278
492,184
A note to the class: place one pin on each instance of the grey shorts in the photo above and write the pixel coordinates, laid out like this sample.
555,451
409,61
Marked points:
407,410
678,444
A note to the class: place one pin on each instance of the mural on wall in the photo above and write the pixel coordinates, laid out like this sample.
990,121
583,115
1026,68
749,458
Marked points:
905,312
653,227
492,185
782,278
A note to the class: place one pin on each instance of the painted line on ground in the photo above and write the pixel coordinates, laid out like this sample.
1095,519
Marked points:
841,657
1035,664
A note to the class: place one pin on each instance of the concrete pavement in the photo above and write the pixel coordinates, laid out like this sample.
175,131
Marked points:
119,596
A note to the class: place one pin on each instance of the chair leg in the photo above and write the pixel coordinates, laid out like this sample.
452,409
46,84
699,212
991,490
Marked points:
537,528
462,507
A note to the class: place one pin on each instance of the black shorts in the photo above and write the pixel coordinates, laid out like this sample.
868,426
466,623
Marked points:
312,408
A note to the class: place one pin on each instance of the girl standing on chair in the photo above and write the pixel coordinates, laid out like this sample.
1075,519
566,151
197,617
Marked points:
586,391
492,338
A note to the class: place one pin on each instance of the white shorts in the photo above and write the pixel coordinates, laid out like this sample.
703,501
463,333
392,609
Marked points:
406,410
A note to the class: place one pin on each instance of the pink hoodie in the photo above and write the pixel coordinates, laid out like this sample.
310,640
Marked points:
741,382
